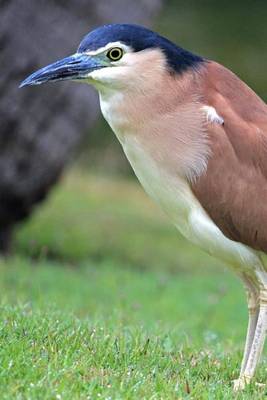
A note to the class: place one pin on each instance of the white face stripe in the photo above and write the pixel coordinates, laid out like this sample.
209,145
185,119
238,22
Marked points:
108,46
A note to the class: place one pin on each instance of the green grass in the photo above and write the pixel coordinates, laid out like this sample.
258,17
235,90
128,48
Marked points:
113,304
99,218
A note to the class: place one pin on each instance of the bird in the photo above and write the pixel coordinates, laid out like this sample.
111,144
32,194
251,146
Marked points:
196,137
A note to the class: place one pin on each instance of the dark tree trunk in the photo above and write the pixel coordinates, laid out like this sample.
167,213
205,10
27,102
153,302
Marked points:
5,240
39,129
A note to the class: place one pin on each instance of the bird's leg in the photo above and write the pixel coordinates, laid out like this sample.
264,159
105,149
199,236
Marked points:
253,313
259,337
252,291
257,344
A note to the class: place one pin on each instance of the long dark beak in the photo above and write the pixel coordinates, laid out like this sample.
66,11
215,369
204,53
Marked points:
74,67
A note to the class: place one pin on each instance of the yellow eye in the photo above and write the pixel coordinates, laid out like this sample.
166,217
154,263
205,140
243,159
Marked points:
115,54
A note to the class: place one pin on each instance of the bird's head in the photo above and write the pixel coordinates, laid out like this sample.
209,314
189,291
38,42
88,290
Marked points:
116,56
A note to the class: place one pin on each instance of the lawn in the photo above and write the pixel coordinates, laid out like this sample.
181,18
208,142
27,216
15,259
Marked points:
102,299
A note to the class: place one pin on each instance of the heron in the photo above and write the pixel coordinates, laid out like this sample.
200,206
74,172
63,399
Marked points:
196,137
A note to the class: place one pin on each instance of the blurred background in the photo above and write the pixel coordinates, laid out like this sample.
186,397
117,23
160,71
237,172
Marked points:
68,197
56,131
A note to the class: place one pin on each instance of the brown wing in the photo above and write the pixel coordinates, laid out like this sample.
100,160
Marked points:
233,191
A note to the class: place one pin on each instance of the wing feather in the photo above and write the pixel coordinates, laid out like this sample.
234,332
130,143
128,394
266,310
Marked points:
233,190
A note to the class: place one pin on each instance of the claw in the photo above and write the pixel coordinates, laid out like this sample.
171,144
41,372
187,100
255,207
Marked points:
243,381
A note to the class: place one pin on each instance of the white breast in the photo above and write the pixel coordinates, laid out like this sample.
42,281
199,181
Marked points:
172,194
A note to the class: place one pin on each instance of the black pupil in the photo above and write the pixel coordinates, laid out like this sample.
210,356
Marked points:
115,54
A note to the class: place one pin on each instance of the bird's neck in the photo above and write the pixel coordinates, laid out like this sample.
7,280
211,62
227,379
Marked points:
164,117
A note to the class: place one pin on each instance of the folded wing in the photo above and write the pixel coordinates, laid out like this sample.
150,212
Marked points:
233,191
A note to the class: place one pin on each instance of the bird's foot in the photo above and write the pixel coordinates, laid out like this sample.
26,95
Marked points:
260,385
241,382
